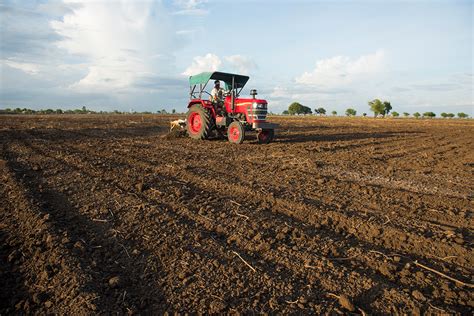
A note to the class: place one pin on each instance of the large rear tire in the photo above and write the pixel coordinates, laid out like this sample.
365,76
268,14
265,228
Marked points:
236,132
198,122
265,136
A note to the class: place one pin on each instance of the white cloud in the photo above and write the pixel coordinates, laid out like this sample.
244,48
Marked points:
28,68
185,32
119,42
338,81
339,70
208,62
280,92
190,7
211,62
241,63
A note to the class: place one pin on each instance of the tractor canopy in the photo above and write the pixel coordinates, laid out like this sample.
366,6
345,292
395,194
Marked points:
204,77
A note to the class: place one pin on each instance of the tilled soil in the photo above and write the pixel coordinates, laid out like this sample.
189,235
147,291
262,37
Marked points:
109,214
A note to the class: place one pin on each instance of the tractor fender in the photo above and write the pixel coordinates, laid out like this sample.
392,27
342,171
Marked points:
205,104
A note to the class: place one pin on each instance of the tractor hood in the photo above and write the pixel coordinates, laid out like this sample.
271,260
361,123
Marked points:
247,101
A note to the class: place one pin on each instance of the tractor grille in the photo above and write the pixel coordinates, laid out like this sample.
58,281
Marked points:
259,114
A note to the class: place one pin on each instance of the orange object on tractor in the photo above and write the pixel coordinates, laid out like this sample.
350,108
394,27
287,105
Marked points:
232,116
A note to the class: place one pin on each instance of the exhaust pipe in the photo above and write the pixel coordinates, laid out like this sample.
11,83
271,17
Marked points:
253,93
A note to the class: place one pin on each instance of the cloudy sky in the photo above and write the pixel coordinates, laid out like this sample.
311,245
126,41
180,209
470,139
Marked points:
124,54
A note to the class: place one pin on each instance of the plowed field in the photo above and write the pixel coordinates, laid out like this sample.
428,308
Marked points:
107,214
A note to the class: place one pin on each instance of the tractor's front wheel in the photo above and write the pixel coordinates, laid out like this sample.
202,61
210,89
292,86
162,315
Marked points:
236,132
198,122
265,136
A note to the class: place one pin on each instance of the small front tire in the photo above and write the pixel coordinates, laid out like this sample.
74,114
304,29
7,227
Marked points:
265,136
236,132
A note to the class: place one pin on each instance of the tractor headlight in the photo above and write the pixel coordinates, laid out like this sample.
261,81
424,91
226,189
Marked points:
259,105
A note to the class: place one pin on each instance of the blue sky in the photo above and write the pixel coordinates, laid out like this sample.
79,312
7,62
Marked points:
137,55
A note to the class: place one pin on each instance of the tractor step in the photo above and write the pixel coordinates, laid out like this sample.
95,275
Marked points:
223,121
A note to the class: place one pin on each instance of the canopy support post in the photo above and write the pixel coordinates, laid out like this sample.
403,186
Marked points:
232,91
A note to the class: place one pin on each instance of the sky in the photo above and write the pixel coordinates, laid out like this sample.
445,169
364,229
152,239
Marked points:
137,55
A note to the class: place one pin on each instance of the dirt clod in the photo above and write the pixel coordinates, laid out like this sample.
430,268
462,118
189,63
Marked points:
140,186
346,303
418,295
114,282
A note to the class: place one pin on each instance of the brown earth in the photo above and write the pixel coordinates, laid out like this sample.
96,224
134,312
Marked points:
107,214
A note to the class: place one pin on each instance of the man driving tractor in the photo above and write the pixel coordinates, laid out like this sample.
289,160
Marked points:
217,96
217,93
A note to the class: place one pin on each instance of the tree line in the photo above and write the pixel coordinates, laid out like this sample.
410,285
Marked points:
82,110
378,107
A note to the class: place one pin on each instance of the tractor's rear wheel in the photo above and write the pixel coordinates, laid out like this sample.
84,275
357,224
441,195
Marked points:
198,122
236,132
265,136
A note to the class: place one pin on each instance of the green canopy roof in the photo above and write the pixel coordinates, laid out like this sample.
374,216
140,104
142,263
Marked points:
204,77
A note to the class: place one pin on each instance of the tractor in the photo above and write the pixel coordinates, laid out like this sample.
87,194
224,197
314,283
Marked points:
233,116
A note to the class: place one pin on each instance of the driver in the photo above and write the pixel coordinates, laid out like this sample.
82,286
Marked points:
217,93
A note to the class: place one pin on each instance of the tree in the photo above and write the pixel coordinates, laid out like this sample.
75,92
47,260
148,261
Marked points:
334,113
429,114
450,115
416,115
444,115
387,107
406,114
306,110
377,107
462,115
351,112
364,114
173,111
395,114
320,111
285,112
297,108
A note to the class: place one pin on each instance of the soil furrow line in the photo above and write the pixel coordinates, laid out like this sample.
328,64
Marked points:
405,281
188,228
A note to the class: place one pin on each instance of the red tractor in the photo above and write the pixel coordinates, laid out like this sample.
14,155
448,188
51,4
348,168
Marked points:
232,115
